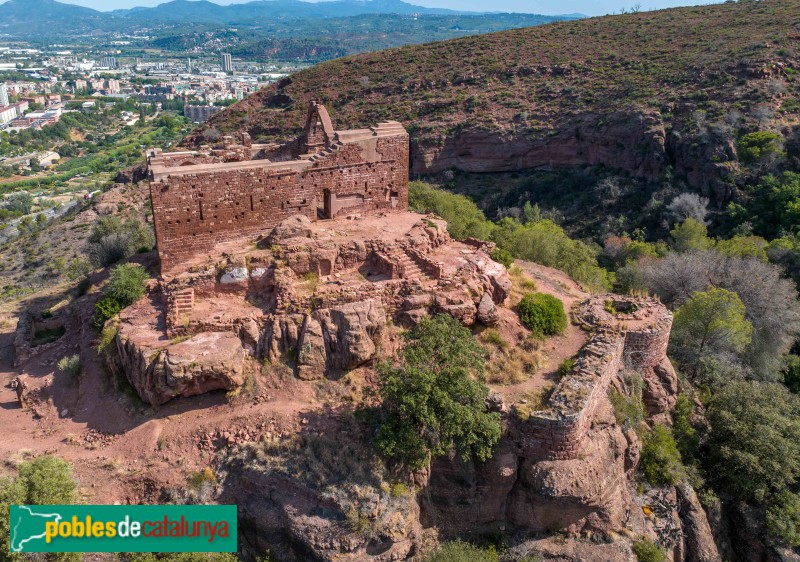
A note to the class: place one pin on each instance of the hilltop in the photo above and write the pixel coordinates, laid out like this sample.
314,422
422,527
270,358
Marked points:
648,94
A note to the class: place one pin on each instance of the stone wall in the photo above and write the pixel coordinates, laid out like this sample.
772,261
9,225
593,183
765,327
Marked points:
201,199
558,432
637,339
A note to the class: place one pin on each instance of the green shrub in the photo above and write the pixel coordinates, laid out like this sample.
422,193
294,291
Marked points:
543,314
503,256
628,407
113,240
70,365
661,460
493,337
754,441
566,367
104,309
126,284
647,551
459,551
682,428
759,145
47,480
783,517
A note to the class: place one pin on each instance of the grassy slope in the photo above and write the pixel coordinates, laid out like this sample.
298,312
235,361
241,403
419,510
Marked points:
534,81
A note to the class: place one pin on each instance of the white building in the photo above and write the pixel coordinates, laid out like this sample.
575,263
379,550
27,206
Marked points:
4,95
227,62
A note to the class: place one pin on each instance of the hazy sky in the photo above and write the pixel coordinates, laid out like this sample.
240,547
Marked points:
589,7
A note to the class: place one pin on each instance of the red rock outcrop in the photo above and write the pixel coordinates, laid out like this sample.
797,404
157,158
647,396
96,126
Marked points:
318,294
633,142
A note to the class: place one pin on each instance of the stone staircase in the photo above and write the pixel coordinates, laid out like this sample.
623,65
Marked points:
326,152
411,267
181,304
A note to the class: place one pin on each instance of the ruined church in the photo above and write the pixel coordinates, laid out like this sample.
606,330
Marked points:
239,190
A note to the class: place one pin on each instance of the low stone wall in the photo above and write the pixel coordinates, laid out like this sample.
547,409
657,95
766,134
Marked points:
559,431
637,339
28,326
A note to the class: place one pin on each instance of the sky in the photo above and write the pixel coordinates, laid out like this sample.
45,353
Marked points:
588,7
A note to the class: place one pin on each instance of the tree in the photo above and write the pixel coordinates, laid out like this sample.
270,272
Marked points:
753,447
20,202
431,404
783,517
661,460
690,235
770,300
688,206
759,146
710,323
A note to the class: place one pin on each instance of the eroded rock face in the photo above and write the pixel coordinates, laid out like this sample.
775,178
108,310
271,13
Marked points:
699,540
205,362
634,142
351,332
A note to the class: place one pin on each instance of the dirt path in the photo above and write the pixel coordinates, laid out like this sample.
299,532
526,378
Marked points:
559,348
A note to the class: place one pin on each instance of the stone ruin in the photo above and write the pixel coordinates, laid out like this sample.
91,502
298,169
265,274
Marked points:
238,190
626,333
320,295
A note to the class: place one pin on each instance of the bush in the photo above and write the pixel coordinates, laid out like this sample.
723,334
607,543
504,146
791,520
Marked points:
104,309
629,408
543,314
566,367
503,256
661,460
464,218
126,284
47,480
459,551
70,365
431,404
113,240
647,551
783,518
682,428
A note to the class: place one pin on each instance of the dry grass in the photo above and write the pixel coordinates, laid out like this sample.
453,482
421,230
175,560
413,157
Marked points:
341,466
511,364
534,401
521,283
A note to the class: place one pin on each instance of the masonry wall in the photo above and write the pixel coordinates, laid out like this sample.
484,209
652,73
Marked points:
195,212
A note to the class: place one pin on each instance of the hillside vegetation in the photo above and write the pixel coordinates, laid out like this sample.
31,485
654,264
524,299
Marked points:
654,95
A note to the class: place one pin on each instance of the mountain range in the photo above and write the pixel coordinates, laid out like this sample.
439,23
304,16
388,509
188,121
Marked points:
33,16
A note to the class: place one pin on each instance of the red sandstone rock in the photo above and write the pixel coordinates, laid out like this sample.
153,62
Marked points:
700,546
